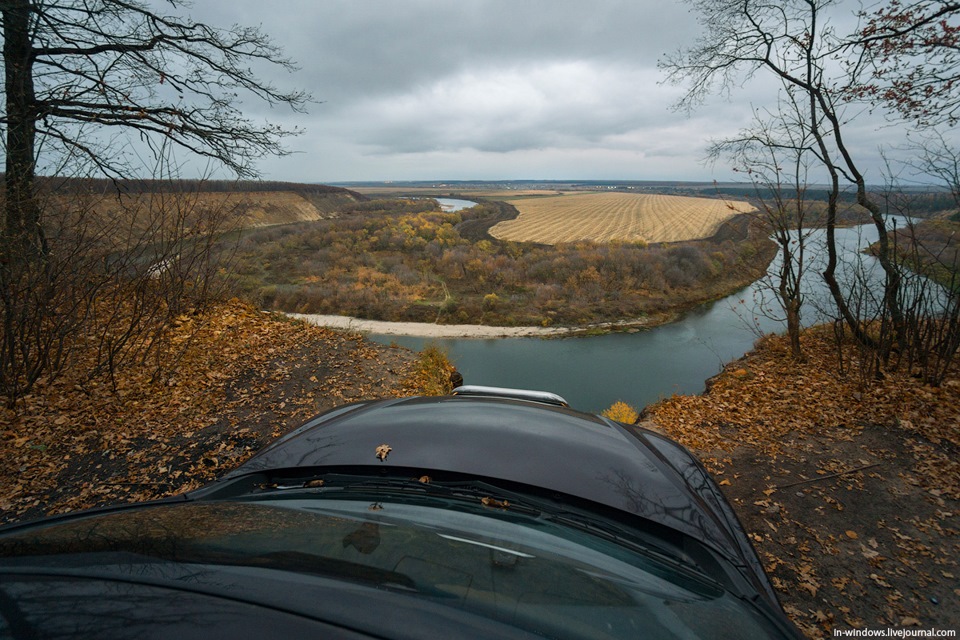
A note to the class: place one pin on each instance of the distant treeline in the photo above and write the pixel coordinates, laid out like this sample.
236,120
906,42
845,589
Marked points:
905,203
749,191
65,185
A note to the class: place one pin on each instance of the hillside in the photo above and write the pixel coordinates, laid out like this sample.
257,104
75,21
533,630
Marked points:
140,204
230,381
403,261
848,488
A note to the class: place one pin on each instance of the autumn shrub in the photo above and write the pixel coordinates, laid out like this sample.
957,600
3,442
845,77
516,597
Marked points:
431,374
677,277
114,275
621,412
393,264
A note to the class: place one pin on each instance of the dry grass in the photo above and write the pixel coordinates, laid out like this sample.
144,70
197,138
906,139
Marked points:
250,209
147,218
605,217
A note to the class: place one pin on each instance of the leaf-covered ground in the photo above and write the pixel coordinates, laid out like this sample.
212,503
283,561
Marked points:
242,378
849,491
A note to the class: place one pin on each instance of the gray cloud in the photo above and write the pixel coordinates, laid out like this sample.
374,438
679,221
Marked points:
376,47
486,89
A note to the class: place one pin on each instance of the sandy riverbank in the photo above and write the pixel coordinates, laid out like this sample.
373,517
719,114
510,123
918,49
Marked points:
430,330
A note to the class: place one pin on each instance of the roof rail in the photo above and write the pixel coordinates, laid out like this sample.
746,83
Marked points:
544,397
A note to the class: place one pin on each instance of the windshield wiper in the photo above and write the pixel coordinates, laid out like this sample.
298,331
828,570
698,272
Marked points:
508,502
487,494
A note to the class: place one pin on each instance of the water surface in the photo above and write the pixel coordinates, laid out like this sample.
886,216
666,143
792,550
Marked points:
640,368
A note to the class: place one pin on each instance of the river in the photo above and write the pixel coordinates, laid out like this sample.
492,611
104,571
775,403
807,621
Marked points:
638,368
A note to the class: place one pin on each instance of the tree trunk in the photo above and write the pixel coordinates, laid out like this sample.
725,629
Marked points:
22,233
789,291
893,278
829,273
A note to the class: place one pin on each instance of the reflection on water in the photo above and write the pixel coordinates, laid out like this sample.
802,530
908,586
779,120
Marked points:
594,372
454,204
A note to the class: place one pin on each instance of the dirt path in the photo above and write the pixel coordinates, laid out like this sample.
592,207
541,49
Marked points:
850,532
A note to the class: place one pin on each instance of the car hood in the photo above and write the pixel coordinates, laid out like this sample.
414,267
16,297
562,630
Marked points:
551,448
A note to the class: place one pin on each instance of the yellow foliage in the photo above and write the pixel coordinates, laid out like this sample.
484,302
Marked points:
621,412
431,375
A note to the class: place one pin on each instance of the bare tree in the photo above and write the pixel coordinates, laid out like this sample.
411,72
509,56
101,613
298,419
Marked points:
935,157
930,254
775,154
910,52
121,270
795,43
82,78
79,65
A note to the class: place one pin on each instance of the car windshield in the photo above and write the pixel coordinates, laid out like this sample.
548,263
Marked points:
525,570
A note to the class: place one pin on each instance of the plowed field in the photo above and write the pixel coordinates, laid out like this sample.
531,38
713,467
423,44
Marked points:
628,217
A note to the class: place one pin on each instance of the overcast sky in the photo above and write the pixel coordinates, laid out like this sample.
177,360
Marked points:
488,89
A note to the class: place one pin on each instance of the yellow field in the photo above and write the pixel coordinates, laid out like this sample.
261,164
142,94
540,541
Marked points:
628,217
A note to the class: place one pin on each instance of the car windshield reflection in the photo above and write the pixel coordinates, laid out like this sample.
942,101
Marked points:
524,570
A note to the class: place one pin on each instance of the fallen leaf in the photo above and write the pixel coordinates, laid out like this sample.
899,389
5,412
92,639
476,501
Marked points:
490,502
880,581
425,479
851,534
383,451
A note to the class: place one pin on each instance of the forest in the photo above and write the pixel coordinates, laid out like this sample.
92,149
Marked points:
407,260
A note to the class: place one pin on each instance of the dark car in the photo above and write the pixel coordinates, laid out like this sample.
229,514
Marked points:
490,513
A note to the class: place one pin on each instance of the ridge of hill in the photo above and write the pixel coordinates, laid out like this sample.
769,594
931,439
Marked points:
248,203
